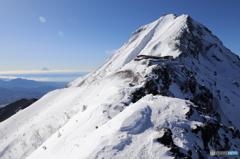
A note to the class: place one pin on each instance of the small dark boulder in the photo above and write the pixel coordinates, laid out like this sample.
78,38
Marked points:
166,138
189,113
197,129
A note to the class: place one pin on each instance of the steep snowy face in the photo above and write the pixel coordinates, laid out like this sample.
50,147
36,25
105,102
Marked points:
156,39
170,36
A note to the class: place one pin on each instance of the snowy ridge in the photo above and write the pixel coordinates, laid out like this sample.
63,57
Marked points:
116,135
172,90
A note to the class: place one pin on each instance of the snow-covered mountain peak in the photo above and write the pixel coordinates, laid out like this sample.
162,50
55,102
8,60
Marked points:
155,39
169,37
172,90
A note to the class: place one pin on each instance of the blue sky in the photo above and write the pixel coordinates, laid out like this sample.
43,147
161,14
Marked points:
78,34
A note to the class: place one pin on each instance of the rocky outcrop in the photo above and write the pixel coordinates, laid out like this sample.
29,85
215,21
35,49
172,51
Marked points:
201,87
166,140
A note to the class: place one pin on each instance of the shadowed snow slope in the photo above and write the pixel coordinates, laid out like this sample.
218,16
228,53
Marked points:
172,90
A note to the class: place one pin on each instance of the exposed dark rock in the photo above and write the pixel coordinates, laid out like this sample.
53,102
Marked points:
190,152
218,59
176,152
199,152
128,74
158,83
209,130
204,99
166,139
190,112
236,84
138,31
197,129
131,85
184,130
236,134
217,115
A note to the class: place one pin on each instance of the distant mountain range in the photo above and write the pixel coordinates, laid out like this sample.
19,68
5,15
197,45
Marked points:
13,90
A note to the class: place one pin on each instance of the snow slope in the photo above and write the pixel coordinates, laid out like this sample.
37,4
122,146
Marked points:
171,91
151,39
120,137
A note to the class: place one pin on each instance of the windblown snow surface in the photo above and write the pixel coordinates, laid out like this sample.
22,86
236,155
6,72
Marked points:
172,90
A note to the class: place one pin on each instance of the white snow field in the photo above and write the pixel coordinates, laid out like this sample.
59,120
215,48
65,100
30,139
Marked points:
130,134
172,90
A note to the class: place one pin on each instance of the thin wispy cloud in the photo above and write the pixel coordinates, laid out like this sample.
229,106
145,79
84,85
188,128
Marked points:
42,19
111,52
